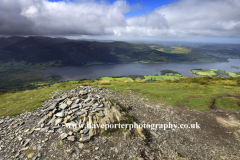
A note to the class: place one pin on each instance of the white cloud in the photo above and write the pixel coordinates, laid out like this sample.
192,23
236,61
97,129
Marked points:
43,17
185,18
203,18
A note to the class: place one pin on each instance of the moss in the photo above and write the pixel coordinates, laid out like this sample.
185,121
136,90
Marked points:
59,146
105,133
29,151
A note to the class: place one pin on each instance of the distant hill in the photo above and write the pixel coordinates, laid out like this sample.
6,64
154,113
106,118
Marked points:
77,52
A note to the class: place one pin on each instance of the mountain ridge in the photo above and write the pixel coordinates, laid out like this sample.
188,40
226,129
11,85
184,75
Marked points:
78,52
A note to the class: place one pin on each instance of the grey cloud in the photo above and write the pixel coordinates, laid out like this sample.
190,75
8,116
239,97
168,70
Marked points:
42,17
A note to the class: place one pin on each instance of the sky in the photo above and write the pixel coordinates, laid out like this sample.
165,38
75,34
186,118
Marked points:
122,18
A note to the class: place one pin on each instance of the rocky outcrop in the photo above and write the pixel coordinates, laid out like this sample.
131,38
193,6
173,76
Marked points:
83,112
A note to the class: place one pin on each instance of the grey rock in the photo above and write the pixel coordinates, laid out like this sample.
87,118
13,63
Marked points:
75,110
73,118
98,109
100,114
77,129
116,150
127,135
97,148
84,97
58,121
86,119
86,105
87,100
83,92
72,111
85,139
51,121
77,101
43,120
44,129
53,106
56,127
79,113
51,131
1,121
74,106
35,158
64,135
71,138
154,134
63,106
99,96
60,114
61,99
42,125
90,95
17,155
94,106
26,142
39,155
81,145
85,131
84,110
54,111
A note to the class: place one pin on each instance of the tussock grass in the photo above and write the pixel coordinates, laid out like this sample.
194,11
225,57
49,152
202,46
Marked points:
193,92
138,80
14,103
105,82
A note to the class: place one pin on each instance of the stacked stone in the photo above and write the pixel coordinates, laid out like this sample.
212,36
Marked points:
78,111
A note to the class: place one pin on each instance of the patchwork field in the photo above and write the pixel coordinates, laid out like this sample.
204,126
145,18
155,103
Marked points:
214,73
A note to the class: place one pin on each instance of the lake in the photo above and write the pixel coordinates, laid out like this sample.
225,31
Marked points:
94,71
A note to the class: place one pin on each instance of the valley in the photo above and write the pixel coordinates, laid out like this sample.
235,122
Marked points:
149,83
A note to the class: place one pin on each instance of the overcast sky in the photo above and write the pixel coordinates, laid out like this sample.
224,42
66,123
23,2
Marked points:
135,18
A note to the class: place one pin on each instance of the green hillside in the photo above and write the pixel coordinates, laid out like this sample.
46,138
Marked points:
198,93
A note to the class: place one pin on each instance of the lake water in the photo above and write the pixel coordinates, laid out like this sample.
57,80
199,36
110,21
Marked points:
90,72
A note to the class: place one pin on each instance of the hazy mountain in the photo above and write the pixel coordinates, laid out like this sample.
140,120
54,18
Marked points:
77,52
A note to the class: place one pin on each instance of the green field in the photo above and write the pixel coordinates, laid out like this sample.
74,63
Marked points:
204,72
127,79
178,50
214,73
175,50
147,78
197,93
163,77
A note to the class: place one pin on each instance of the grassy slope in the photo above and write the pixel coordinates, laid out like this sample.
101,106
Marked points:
195,93
29,100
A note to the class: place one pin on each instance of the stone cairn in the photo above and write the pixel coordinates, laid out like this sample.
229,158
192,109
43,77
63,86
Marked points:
79,109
